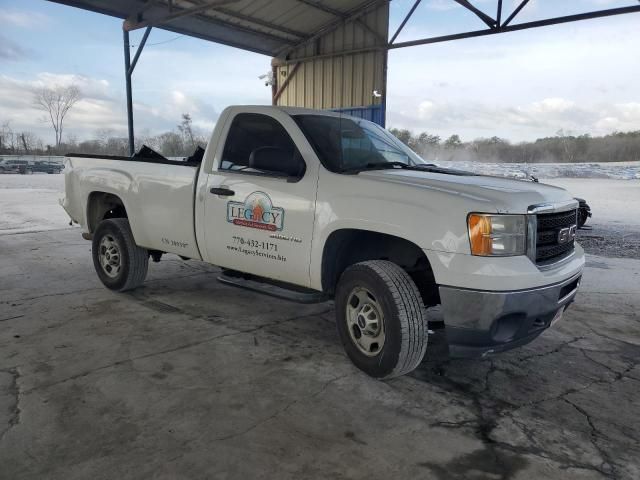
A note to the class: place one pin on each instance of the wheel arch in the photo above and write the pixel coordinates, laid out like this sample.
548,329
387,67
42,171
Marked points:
347,246
103,205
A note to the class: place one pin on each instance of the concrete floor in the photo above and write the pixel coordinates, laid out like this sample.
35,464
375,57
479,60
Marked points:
188,378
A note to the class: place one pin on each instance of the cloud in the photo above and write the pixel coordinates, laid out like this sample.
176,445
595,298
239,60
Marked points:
23,19
102,107
97,109
11,51
553,105
529,121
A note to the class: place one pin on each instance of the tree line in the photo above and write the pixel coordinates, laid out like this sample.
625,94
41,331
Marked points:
563,147
180,142
56,102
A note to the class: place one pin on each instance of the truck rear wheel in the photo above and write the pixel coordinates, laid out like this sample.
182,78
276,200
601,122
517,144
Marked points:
121,264
381,319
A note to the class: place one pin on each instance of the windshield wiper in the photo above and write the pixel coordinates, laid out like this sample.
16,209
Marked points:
433,168
423,167
376,166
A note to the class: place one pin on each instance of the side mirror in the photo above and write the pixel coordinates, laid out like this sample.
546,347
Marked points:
277,160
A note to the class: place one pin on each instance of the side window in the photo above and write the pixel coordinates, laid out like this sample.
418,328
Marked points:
259,144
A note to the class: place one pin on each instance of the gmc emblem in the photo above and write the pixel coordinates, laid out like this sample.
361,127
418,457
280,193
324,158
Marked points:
567,234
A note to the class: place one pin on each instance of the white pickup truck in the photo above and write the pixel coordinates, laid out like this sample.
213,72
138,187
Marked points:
317,202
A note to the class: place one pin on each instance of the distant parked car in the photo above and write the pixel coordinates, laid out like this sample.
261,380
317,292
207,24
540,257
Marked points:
46,166
6,167
16,166
584,211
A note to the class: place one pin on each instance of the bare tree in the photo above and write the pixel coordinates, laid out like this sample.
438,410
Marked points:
186,129
57,102
7,138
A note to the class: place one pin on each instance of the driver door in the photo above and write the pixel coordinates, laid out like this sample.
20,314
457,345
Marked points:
259,219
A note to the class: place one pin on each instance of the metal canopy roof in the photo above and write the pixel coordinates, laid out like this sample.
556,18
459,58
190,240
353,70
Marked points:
268,27
279,28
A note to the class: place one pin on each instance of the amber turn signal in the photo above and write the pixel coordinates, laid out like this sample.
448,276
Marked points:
480,234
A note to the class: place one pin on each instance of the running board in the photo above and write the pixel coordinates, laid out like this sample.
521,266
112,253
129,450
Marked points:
302,296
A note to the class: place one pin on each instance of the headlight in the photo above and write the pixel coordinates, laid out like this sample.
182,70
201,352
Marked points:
497,235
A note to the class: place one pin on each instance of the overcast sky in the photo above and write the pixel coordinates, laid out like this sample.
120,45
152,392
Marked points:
581,77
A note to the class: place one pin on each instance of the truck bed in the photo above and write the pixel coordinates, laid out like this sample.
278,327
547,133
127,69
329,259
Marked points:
158,195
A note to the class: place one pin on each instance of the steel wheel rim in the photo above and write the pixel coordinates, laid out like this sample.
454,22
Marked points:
365,321
109,255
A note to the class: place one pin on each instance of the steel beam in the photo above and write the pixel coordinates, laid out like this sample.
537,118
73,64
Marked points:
404,22
514,13
262,23
139,50
133,24
519,26
337,13
323,8
479,13
310,58
127,75
129,67
137,20
352,16
280,90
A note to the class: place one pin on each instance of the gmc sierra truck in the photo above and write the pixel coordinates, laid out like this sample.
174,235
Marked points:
318,203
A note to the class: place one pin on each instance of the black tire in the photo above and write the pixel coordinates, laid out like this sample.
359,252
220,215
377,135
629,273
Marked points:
404,318
133,260
582,217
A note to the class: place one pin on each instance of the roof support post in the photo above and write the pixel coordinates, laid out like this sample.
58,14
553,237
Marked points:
385,66
127,76
129,66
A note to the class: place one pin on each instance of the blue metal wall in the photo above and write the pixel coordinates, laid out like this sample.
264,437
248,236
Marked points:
373,113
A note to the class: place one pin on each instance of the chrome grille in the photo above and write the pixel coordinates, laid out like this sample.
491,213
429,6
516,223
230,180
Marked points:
549,226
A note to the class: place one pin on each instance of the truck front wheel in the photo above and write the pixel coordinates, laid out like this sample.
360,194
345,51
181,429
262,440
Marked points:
381,319
120,263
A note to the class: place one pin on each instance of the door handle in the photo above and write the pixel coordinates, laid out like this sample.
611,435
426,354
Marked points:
225,192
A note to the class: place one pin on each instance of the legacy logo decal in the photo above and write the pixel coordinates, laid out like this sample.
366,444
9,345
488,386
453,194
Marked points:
257,211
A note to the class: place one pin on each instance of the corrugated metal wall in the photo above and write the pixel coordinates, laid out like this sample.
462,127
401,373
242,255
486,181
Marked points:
343,81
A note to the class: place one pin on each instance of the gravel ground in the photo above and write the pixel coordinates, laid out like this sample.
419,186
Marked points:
611,240
614,229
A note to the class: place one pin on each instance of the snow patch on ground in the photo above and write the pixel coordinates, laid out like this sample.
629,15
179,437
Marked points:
612,202
29,203
613,170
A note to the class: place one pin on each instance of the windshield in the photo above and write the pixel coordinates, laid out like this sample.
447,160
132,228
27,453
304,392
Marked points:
351,144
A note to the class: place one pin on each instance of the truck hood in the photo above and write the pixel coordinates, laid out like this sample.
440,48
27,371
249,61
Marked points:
506,195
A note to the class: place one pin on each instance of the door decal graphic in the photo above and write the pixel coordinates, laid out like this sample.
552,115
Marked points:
257,211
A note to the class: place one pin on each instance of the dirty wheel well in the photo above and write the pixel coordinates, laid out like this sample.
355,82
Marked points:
102,206
349,246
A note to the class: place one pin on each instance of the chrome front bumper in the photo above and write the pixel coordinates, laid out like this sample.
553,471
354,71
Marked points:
479,322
